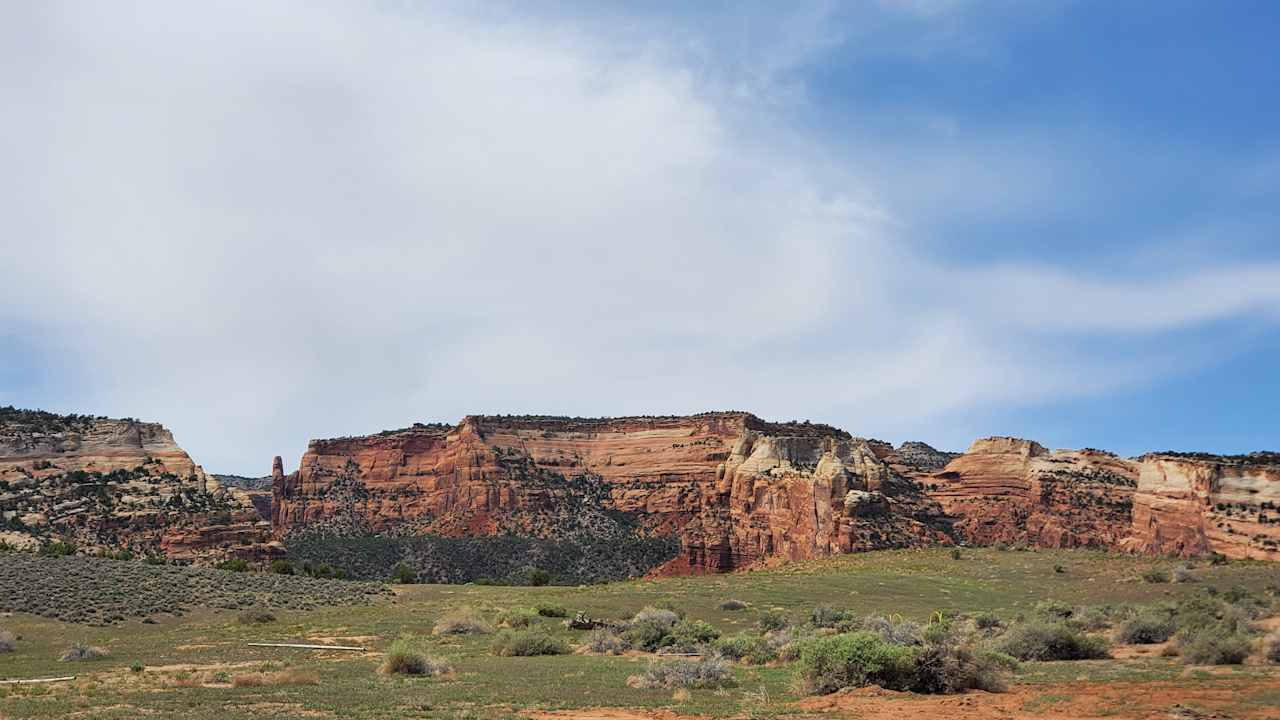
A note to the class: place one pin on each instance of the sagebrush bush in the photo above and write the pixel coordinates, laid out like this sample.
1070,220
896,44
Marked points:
1147,628
773,619
987,621
551,610
1055,609
894,632
1156,575
7,641
517,617
1183,574
527,643
466,621
1040,640
825,616
854,660
405,657
733,605
1271,647
661,616
81,651
701,673
953,666
1214,646
606,642
255,616
747,647
689,634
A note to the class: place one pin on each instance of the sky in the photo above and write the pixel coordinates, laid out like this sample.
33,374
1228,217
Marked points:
264,222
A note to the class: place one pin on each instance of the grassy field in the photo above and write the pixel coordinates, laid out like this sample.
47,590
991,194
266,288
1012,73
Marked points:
189,662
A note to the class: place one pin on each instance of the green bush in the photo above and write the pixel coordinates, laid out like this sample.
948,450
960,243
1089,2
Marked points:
538,577
773,619
403,575
465,621
987,621
754,649
1055,609
255,616
1157,575
1040,640
551,610
825,616
405,657
703,673
137,667
234,565
517,617
648,635
1212,646
527,643
688,634
606,642
282,567
733,605
1148,628
855,660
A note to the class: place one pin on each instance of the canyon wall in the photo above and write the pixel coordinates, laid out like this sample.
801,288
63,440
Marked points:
111,484
733,488
1192,504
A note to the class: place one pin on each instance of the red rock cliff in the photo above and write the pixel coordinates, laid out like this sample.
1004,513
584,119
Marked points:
734,489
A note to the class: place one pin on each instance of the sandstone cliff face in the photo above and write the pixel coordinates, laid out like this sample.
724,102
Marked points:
1006,490
733,488
114,484
1193,504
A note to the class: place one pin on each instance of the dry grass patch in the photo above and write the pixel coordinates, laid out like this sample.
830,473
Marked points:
281,677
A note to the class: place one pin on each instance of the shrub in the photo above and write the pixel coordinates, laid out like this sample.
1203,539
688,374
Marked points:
900,632
136,666
1147,628
956,554
516,618
1156,575
950,666
647,634
234,565
772,619
1271,647
461,622
986,621
754,649
1060,569
1038,640
81,651
255,616
733,605
404,657
1183,574
1101,617
855,660
661,616
605,642
551,610
538,577
1212,646
7,641
824,616
710,672
1055,609
527,643
282,567
689,634
403,575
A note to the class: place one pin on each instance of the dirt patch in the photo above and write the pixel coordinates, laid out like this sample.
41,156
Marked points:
1116,700
609,714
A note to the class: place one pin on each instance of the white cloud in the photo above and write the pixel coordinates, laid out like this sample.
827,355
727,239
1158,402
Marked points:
260,223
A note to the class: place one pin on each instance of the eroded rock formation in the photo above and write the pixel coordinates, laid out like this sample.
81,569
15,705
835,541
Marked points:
1192,504
735,489
1008,490
117,484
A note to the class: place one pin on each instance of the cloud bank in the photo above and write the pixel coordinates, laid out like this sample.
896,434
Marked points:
264,222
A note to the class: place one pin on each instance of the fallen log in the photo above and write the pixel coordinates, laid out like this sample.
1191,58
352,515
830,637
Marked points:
33,681
309,647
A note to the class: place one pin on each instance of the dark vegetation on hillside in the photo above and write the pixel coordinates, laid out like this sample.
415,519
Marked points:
504,559
13,419
96,591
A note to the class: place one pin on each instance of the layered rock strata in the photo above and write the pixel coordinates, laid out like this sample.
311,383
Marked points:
733,488
116,484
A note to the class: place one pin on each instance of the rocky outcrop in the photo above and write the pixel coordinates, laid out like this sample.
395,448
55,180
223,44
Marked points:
112,484
1008,490
1189,504
733,488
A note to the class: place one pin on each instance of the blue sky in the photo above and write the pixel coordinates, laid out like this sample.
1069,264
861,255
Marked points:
925,219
